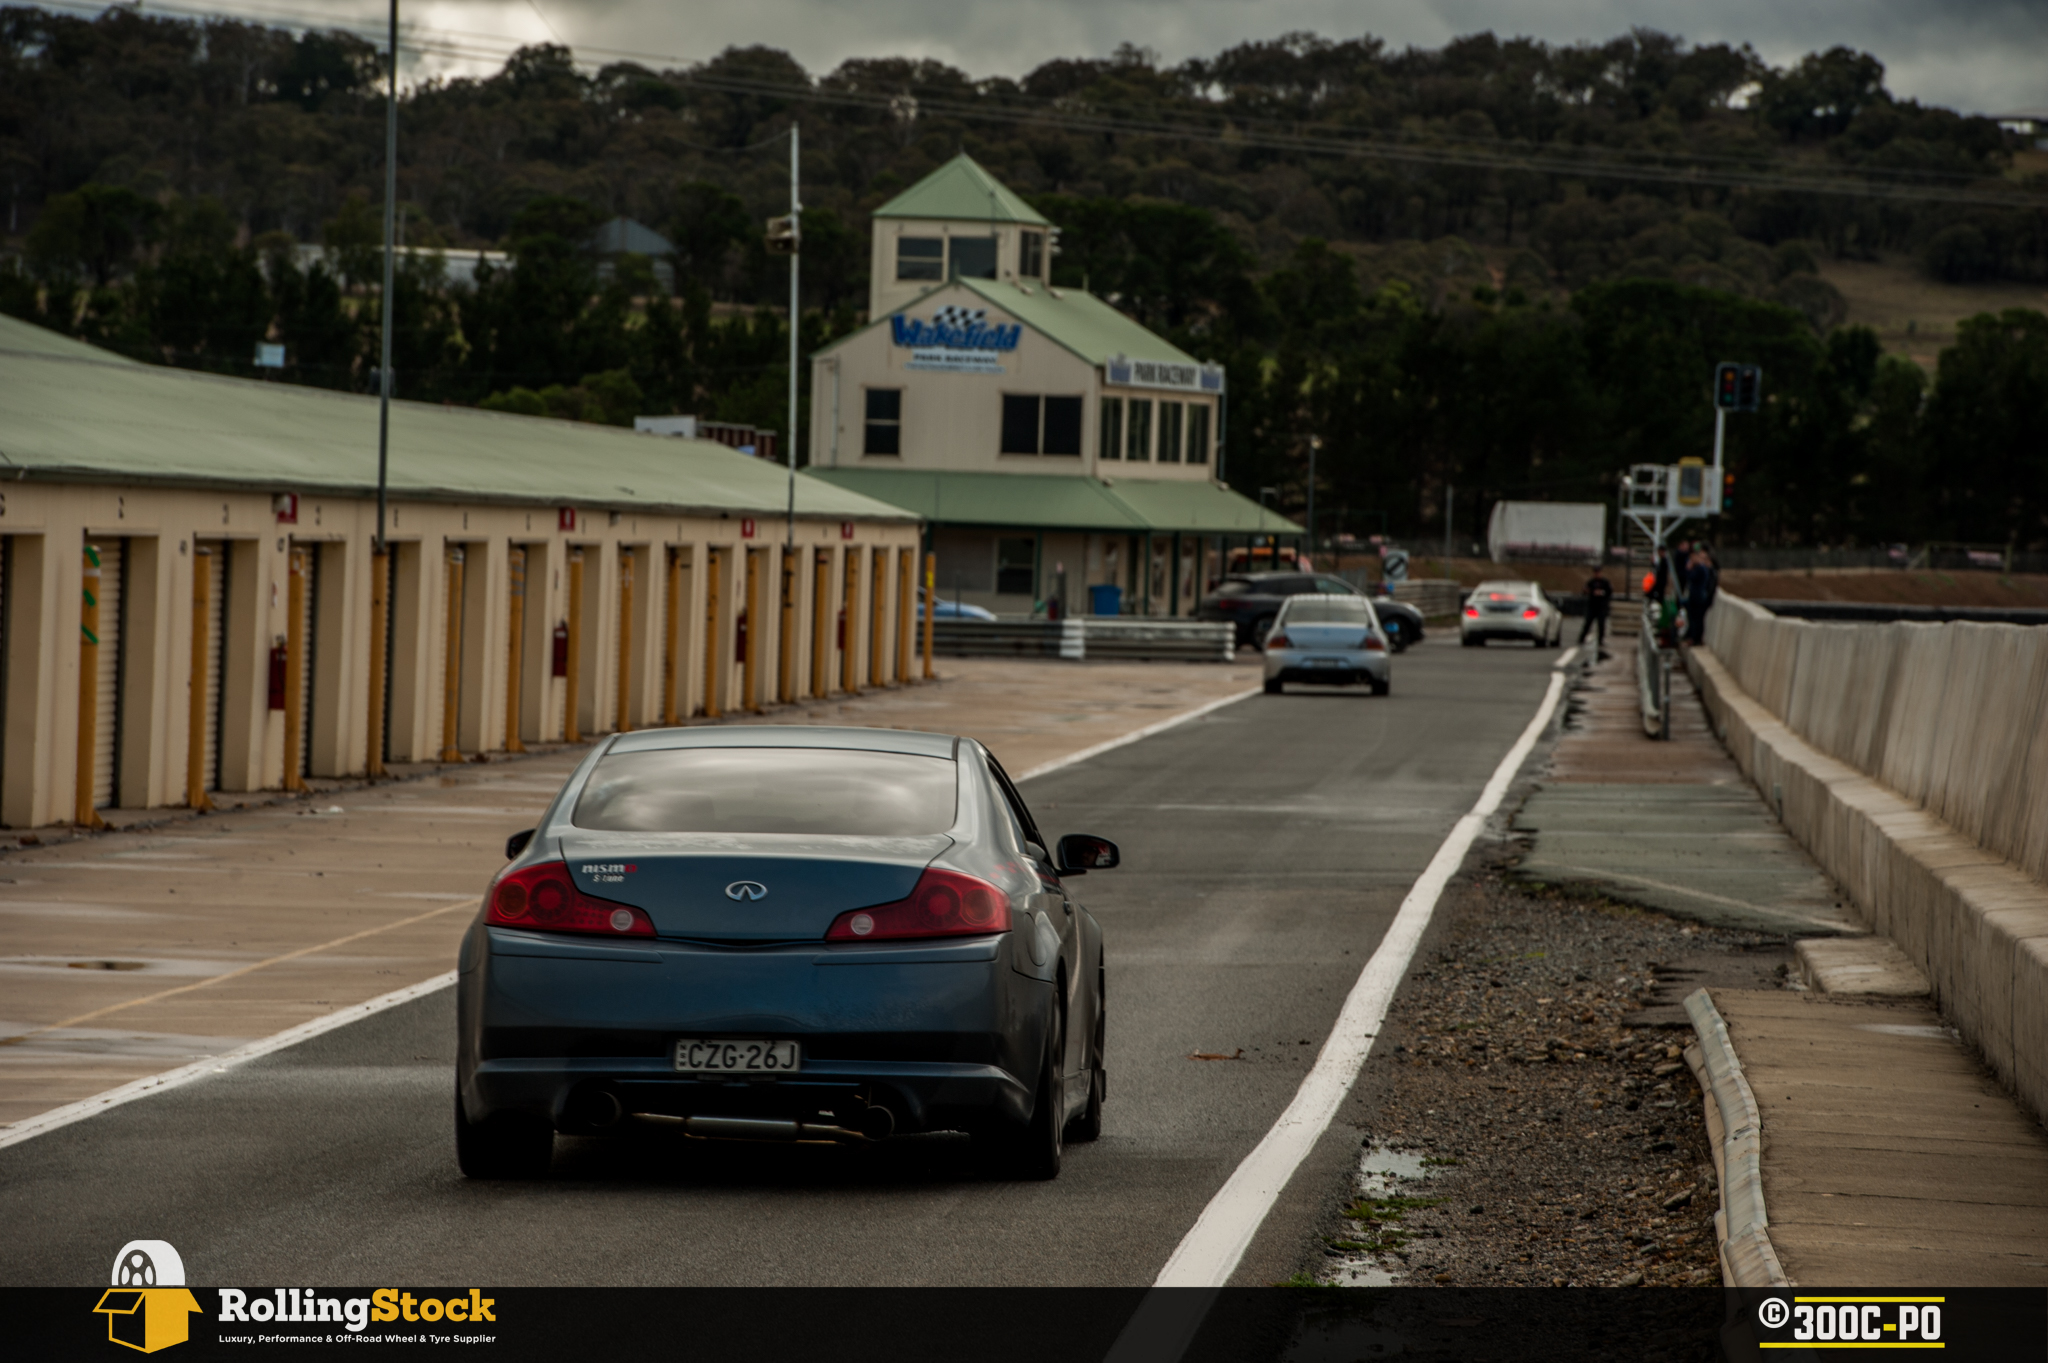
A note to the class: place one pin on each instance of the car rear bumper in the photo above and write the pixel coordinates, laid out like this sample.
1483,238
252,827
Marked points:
945,1035
1484,628
1345,668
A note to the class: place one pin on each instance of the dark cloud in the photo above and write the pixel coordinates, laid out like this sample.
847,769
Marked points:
1975,55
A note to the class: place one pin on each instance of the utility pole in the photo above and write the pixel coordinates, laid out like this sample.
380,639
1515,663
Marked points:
795,310
380,550
1449,491
1315,442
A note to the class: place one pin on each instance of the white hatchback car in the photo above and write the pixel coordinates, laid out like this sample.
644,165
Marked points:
1510,610
1328,641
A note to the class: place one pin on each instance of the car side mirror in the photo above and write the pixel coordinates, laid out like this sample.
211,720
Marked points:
1080,853
516,844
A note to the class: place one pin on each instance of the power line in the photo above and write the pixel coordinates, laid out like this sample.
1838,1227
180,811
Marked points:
1221,127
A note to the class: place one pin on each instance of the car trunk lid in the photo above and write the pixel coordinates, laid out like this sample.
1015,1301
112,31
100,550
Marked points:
747,887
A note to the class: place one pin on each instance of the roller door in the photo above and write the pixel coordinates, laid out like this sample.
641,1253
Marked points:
106,739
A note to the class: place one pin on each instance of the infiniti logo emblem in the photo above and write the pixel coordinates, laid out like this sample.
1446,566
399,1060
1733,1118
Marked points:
746,889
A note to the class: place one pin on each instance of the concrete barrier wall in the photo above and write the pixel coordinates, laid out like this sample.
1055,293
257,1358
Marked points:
1911,760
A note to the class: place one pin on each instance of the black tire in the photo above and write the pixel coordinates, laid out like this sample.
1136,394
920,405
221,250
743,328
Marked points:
1272,686
1380,688
505,1146
1088,1126
1033,1151
1472,641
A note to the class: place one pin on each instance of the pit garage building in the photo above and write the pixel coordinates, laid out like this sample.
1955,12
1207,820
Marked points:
191,604
1049,441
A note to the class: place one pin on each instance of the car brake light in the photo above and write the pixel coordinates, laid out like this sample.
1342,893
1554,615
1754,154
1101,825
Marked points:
544,899
1530,612
1374,644
942,904
1279,641
1472,611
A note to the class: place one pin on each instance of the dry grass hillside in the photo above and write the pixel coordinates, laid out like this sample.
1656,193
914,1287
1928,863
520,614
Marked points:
1914,315
1882,585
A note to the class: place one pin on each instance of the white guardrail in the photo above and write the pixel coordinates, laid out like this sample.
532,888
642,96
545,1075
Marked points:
1131,638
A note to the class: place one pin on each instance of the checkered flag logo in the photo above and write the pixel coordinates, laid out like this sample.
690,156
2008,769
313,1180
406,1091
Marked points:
953,315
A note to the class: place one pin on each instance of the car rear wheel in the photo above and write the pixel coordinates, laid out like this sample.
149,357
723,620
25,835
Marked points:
1033,1150
1272,686
1472,641
1380,688
510,1145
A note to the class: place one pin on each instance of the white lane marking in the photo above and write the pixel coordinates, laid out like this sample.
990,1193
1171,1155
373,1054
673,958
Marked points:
1564,659
1209,1253
214,1064
1061,763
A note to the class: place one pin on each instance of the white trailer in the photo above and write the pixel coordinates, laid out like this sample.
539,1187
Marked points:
1552,532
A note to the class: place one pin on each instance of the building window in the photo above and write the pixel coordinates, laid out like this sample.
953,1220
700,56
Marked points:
1138,435
1020,423
921,258
1041,425
1169,432
1112,444
1062,425
884,422
1198,432
1031,255
1017,567
974,257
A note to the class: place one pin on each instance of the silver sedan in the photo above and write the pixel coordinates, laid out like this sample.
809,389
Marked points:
1510,610
1327,641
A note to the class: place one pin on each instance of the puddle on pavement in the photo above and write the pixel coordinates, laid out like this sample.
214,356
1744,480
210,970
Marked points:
1383,1171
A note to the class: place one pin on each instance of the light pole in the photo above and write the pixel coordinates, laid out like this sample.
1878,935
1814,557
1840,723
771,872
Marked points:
1315,443
380,550
795,249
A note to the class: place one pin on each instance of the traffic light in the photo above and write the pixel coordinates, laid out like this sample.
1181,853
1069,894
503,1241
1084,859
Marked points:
1738,387
1727,491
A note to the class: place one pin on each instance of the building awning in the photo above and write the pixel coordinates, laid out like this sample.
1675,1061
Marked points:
1049,501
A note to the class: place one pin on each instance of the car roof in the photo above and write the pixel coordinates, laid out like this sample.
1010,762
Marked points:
1506,585
790,736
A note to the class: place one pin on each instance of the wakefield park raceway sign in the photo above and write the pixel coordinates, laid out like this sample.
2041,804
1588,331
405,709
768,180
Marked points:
959,340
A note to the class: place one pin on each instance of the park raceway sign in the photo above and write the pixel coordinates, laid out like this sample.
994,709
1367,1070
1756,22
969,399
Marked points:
956,340
1125,372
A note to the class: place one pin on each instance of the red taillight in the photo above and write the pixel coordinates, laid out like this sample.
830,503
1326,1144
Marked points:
1472,611
943,904
1279,641
1374,644
1530,612
544,899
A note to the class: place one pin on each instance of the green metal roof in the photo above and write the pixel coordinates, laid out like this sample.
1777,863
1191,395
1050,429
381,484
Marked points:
963,191
1072,501
70,412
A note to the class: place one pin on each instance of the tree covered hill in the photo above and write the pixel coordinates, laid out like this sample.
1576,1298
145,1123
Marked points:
1500,266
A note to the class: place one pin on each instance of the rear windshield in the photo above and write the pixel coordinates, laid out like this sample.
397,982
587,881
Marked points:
1505,591
769,790
1329,610
1235,586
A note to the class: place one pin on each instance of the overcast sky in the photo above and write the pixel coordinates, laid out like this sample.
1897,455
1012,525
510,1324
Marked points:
1981,56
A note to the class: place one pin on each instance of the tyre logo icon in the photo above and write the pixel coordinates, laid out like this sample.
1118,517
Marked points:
1773,1312
751,891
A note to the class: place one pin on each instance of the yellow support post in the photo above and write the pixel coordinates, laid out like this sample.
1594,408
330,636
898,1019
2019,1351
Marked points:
713,654
88,816
905,599
931,606
750,680
672,641
623,720
515,646
295,672
876,621
380,616
821,624
785,658
195,703
849,652
572,728
451,663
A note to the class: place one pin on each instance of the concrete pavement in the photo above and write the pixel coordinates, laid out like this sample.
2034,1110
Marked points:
130,953
1891,1156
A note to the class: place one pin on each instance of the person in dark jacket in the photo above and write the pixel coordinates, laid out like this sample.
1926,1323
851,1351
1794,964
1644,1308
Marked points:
1702,582
1599,600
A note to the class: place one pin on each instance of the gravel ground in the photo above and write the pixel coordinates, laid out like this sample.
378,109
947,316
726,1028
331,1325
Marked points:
1529,1080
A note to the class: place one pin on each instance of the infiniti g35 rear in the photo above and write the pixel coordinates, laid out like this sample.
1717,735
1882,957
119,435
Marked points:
784,933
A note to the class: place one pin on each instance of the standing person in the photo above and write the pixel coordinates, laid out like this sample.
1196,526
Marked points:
1702,582
1599,600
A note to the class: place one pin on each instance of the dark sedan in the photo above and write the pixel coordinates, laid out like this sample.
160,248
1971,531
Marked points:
1251,600
783,933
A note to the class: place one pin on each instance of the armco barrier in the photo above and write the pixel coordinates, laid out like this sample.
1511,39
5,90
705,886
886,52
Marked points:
1911,760
1124,637
1435,597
